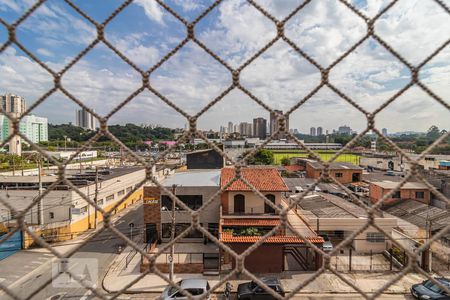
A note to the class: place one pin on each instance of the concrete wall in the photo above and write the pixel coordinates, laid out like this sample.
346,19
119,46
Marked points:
253,203
209,215
348,225
429,162
205,160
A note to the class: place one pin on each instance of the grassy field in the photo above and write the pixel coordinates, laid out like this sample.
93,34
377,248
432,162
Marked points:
326,155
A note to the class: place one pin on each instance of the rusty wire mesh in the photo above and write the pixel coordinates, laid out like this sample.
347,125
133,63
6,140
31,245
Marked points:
193,132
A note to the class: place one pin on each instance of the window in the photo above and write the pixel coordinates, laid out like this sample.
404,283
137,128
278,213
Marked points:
239,204
100,202
129,189
192,201
268,209
180,228
420,195
121,193
110,197
52,215
396,195
213,228
338,174
83,209
375,237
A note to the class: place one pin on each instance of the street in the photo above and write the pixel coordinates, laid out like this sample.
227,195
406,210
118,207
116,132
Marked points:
102,248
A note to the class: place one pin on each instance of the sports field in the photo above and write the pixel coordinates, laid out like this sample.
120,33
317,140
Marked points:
326,155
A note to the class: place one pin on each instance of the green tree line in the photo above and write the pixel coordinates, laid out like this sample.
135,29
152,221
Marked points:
131,135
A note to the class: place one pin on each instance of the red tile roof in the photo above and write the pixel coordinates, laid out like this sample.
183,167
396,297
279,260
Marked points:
227,237
263,179
251,222
294,168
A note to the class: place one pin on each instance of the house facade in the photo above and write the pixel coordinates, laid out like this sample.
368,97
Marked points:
409,191
246,217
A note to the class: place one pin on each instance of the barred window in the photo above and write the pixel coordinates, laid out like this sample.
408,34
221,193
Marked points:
420,195
375,237
121,193
338,174
110,197
100,202
129,189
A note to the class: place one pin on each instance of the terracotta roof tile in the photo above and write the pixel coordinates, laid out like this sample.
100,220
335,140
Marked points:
263,179
227,237
251,222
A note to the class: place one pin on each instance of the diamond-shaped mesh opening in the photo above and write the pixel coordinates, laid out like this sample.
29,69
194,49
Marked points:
201,50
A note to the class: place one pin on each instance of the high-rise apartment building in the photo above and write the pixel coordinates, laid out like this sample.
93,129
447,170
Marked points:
230,127
275,126
384,131
15,106
312,131
344,130
85,119
33,127
245,129
319,131
260,128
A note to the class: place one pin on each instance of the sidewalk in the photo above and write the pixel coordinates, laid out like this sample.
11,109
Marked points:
36,261
117,278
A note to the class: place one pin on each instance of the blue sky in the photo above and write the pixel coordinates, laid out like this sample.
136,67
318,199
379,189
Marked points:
145,32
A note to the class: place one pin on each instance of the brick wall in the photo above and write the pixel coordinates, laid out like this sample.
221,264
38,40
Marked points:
152,207
347,175
376,193
270,254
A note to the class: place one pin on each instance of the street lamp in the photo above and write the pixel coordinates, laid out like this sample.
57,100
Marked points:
172,235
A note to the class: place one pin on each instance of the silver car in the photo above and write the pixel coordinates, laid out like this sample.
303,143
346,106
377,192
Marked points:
195,286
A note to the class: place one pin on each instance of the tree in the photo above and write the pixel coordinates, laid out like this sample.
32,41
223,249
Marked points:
285,161
433,133
261,157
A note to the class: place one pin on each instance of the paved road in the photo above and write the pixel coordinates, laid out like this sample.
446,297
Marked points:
102,248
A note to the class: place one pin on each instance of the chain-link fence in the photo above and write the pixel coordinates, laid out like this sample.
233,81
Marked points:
192,131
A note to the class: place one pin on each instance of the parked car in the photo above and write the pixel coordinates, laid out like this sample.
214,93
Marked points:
327,245
429,290
195,286
252,291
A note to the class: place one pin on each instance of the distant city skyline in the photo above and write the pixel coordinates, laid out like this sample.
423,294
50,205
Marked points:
191,79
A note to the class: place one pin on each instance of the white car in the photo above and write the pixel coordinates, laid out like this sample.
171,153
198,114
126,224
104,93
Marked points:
195,286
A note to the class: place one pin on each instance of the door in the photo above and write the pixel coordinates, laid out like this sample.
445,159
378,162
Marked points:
151,234
239,204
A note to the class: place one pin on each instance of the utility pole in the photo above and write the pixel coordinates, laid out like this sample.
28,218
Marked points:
96,196
89,207
428,251
172,234
40,203
65,142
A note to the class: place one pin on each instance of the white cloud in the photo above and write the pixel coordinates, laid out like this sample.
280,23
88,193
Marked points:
280,77
188,5
44,52
152,10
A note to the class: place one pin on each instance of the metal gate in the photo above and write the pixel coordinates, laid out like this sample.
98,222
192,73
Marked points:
11,245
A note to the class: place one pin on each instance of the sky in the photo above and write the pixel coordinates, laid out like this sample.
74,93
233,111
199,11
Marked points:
145,32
